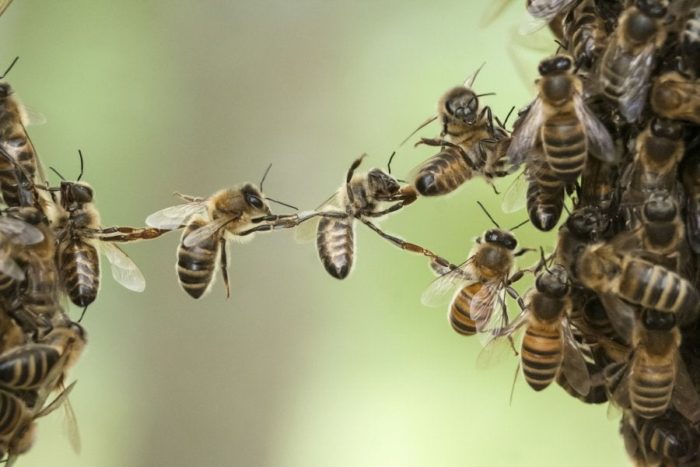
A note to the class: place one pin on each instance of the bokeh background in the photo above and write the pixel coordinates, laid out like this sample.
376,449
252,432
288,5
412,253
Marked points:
297,368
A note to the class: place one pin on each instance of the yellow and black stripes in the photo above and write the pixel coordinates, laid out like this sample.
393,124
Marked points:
196,264
79,263
335,241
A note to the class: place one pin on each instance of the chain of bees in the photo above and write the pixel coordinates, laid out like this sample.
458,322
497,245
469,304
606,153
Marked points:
613,315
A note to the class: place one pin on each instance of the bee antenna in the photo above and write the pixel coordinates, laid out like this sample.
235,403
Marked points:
420,127
485,94
58,173
388,164
265,176
473,77
560,46
543,261
9,67
283,204
520,225
507,117
488,215
82,164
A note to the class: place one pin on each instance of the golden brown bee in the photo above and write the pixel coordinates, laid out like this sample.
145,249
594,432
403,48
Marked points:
209,222
81,237
560,119
548,346
676,97
659,149
584,226
479,282
585,32
626,65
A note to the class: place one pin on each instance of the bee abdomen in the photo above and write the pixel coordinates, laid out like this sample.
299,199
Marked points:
10,413
460,310
196,264
654,286
335,241
442,173
541,356
544,205
564,143
80,270
26,368
651,387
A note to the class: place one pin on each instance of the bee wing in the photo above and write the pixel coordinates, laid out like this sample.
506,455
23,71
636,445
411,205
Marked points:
483,304
207,231
573,364
599,140
616,377
515,197
70,424
685,395
19,231
9,266
124,270
175,216
525,135
547,9
444,286
501,344
636,84
306,231
493,11
620,314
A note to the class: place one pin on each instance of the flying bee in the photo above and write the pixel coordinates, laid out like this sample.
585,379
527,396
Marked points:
585,32
628,59
563,123
675,97
80,237
230,213
480,282
548,346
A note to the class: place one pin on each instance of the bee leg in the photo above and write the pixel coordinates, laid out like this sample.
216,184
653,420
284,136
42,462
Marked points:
224,266
433,142
348,178
390,209
124,234
404,245
523,251
275,222
489,118
188,198
82,315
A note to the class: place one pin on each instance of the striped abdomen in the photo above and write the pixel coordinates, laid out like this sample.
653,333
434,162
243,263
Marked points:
27,367
196,264
442,173
40,298
12,413
79,265
670,437
614,69
544,205
586,33
16,145
651,384
564,144
653,286
335,241
460,310
541,354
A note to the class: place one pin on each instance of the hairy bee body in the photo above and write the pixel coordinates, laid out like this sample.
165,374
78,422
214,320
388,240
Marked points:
564,143
196,264
336,245
442,173
676,97
79,264
544,203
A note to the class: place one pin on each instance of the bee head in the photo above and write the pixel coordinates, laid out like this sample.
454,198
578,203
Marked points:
587,223
658,320
641,26
555,65
651,8
382,184
553,282
668,129
255,199
462,104
5,90
76,192
660,207
501,238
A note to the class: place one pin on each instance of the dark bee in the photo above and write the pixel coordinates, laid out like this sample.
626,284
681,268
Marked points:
676,97
585,33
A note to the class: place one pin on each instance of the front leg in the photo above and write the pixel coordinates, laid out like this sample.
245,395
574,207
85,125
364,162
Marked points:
223,262
123,234
274,222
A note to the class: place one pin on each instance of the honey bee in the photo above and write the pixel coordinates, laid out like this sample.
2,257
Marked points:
584,226
628,59
80,237
667,437
676,97
585,33
690,175
479,281
560,119
548,346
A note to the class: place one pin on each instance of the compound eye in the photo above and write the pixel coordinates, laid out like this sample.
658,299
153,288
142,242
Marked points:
510,243
81,194
491,236
562,63
254,201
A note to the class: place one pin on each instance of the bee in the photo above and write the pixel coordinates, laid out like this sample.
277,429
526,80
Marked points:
480,281
80,237
611,270
628,59
584,226
690,176
545,200
548,346
14,233
563,123
669,436
585,33
676,97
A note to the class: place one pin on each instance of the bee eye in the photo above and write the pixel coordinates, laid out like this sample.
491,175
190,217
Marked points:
254,201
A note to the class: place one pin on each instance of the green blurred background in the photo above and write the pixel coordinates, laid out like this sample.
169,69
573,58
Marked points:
297,368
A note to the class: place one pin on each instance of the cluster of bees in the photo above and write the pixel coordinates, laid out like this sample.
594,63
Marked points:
611,138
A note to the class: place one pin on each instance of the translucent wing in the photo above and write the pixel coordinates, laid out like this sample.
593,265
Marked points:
19,231
175,216
71,426
482,307
530,25
124,270
574,365
444,286
525,134
685,395
620,314
500,346
208,230
548,9
9,267
515,197
32,117
599,140
306,231
636,84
